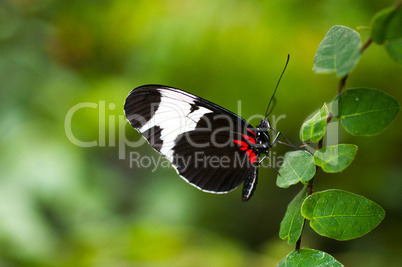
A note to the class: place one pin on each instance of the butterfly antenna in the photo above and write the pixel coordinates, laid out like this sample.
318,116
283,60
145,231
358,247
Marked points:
273,95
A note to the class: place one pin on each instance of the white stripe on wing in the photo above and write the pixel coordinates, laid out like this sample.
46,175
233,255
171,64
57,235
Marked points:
174,117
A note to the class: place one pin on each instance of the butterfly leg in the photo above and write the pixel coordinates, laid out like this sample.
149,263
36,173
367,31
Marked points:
266,165
270,166
287,143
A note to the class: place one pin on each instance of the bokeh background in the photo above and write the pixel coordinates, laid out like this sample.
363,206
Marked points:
68,205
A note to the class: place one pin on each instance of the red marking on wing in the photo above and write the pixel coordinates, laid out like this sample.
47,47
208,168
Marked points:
253,158
242,143
248,138
251,131
244,147
251,155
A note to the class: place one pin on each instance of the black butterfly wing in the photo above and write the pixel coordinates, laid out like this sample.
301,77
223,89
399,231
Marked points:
208,145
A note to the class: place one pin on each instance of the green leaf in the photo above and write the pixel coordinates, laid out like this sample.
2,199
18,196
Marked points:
341,215
335,158
298,166
387,25
314,128
366,111
309,257
338,52
379,24
394,49
292,223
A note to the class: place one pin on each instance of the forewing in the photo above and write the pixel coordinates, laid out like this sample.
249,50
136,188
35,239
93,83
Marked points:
195,135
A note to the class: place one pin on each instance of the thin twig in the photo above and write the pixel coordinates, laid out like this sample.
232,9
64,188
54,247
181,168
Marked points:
341,86
342,82
367,44
298,243
310,185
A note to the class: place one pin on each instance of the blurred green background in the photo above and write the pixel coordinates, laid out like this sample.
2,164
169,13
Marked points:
66,205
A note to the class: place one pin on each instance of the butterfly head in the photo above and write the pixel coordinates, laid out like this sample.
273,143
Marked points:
264,124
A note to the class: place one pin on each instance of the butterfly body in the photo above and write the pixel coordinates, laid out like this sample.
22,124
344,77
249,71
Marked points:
210,147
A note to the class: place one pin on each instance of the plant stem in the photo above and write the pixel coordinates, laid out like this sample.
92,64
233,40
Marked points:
341,86
367,44
342,82
298,243
310,185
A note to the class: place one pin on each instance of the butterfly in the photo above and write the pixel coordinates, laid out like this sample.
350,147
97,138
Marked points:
209,146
